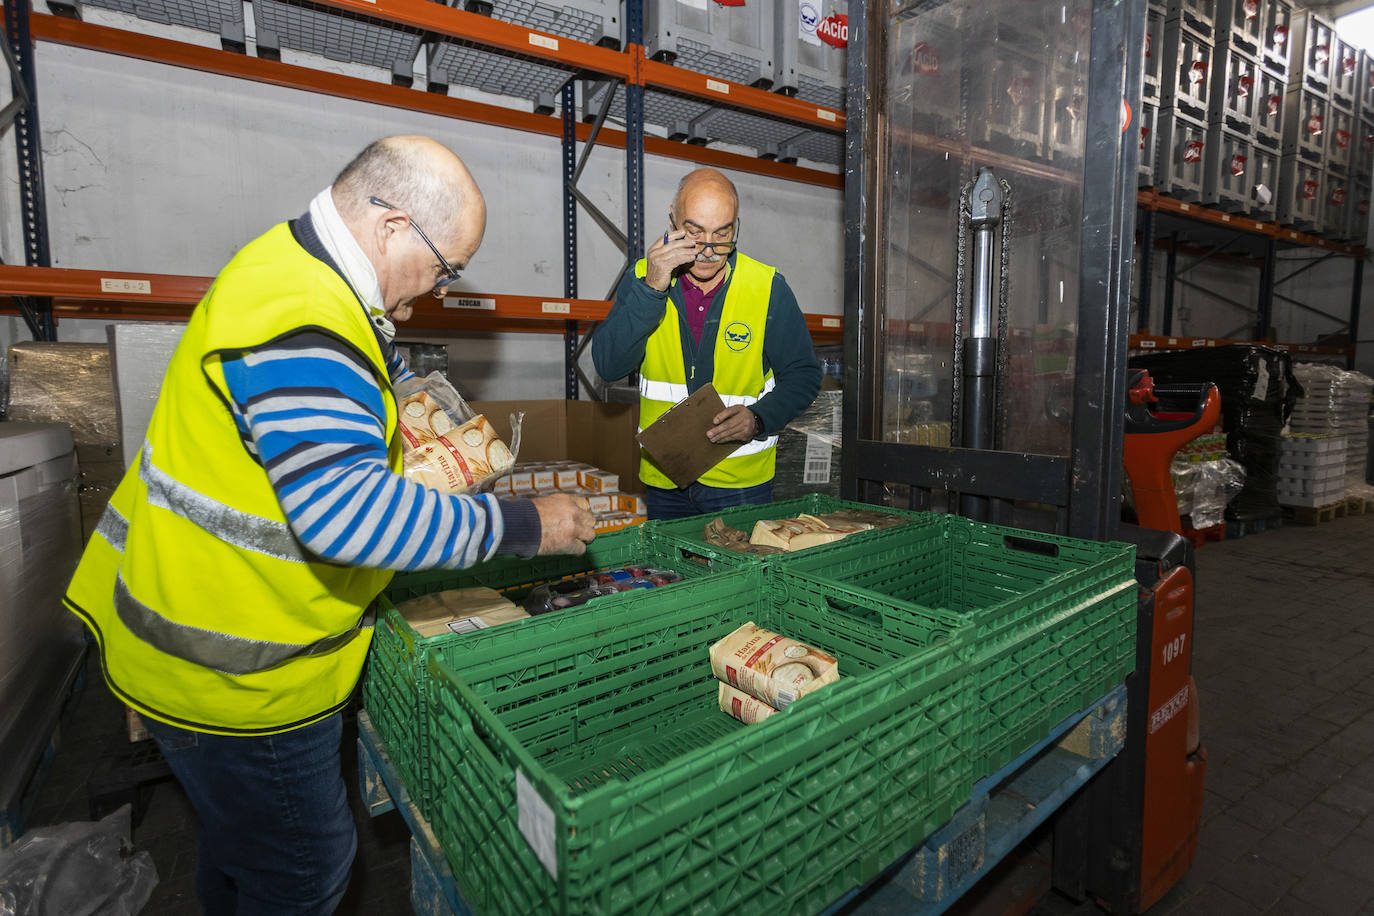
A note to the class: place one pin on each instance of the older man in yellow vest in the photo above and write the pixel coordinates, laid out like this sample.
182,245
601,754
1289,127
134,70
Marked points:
698,310
228,581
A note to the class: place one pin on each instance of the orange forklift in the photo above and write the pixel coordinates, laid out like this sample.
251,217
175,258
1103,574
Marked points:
990,189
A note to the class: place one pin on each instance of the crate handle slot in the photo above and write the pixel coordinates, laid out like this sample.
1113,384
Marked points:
1029,545
868,615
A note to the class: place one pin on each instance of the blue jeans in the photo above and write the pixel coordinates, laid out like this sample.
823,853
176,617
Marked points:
276,832
699,499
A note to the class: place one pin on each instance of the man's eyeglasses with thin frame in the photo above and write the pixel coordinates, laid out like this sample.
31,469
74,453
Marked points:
723,248
450,272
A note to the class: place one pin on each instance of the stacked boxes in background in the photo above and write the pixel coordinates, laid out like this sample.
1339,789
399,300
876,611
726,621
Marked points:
1304,186
1185,94
613,510
1335,402
1311,470
72,383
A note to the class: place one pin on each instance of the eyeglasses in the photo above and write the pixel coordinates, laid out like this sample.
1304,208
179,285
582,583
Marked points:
713,247
450,272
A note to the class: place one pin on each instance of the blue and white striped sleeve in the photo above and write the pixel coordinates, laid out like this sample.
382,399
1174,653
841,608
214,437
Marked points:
395,366
311,410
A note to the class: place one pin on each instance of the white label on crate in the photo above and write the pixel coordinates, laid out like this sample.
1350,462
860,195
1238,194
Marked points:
825,114
693,4
1261,382
718,86
544,41
468,625
125,285
1172,707
555,308
830,322
808,17
469,302
817,468
535,819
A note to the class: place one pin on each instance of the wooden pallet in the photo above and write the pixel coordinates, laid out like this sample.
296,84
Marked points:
1312,515
1358,505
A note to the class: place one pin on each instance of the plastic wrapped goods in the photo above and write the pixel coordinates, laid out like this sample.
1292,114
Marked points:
1204,488
809,450
459,610
446,445
771,667
735,702
578,590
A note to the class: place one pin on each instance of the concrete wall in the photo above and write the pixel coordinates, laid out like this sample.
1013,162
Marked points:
158,169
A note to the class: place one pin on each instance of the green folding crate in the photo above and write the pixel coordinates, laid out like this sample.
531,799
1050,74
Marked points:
394,683
1054,617
683,536
582,766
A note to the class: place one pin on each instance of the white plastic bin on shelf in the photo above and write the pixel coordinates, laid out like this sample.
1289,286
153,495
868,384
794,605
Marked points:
337,35
1305,121
1180,157
1341,140
1186,78
41,643
1229,164
1312,46
734,43
594,22
811,54
1345,73
1014,92
1235,88
1336,205
1277,35
1270,89
1300,193
1240,25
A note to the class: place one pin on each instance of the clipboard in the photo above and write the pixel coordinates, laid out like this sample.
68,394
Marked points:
677,441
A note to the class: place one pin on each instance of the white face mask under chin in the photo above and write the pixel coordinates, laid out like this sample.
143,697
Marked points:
384,325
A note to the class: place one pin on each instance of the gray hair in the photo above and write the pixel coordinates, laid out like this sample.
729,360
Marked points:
406,178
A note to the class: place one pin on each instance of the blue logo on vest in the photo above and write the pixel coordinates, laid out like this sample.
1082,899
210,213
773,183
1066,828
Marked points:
737,335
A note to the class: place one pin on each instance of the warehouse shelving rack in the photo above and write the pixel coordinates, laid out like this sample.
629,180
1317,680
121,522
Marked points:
1166,222
41,293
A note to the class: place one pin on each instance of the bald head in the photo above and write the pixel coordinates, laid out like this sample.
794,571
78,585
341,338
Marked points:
418,175
707,186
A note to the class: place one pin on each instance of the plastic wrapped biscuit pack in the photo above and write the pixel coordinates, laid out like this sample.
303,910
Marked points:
447,446
767,667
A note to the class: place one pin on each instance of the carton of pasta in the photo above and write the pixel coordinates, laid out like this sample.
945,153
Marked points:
770,667
447,446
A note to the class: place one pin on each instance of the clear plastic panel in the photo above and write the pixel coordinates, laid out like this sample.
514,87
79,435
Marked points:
1001,84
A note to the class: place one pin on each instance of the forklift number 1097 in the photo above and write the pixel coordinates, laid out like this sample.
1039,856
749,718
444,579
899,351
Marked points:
1174,648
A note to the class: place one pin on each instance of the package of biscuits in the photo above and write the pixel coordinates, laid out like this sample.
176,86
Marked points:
446,445
771,667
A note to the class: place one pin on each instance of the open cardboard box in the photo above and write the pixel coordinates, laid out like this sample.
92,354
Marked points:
598,433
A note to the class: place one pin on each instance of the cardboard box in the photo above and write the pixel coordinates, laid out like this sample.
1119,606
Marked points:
595,433
598,481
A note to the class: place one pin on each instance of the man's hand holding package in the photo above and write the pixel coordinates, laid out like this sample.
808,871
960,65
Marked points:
733,424
565,523
665,256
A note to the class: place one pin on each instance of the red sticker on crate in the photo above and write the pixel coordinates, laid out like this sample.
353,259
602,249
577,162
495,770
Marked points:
1274,102
1144,132
1280,35
1243,86
1338,197
1315,124
1309,189
1198,71
925,59
1320,55
1369,143
1192,151
1343,138
1148,42
1238,165
1251,8
1348,66
834,30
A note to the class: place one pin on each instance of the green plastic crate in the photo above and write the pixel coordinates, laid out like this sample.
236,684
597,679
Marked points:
1054,617
683,536
394,683
645,798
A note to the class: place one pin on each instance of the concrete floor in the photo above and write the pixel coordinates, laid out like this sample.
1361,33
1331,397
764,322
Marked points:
1283,633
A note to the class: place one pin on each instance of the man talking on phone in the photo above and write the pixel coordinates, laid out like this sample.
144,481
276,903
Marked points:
697,310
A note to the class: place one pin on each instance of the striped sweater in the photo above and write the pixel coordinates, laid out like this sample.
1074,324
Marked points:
310,410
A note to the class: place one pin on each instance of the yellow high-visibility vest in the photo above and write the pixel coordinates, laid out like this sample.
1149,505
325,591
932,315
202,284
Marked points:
209,613
738,376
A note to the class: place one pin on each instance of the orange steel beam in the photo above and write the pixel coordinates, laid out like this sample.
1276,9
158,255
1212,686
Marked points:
225,63
1159,342
102,285
699,85
1153,200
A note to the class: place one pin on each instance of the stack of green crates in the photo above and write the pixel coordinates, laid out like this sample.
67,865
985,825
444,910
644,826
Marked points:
395,683
1054,617
683,537
582,764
